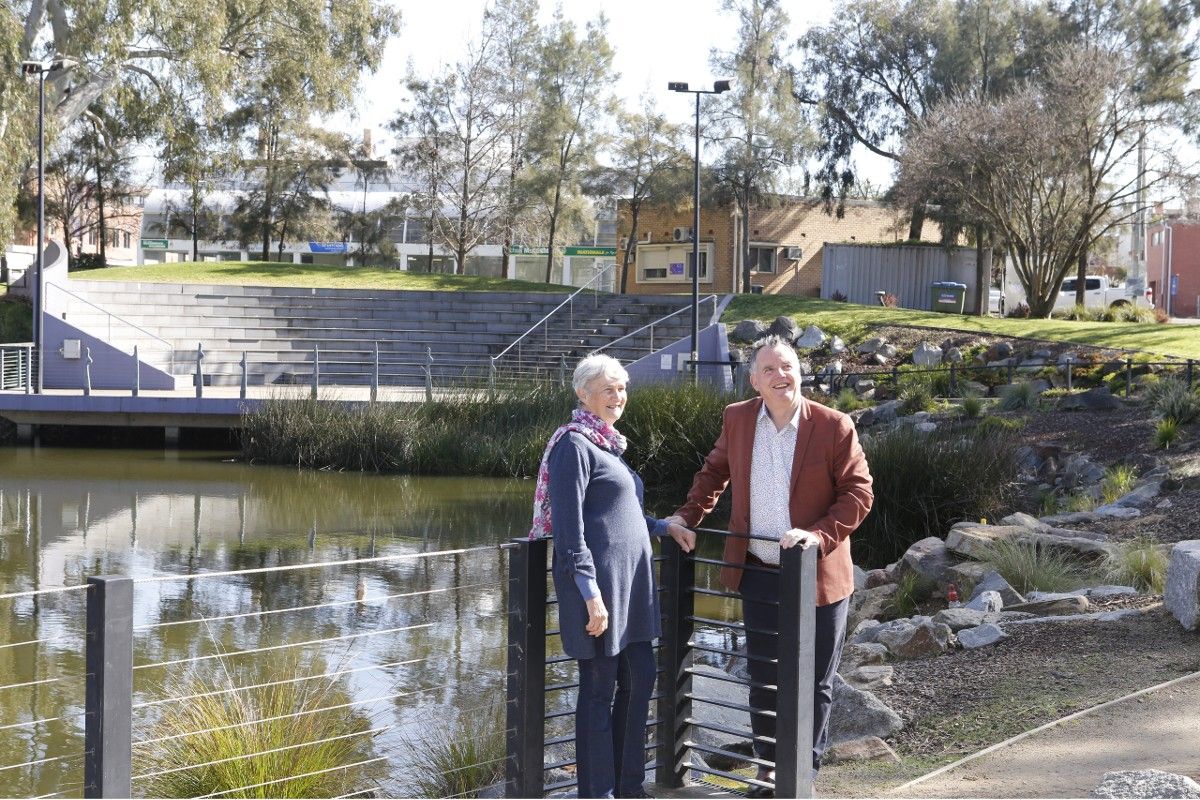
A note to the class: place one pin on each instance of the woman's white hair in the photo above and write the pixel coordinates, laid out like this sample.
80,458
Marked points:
595,366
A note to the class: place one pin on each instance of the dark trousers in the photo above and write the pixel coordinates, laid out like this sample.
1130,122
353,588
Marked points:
610,721
830,631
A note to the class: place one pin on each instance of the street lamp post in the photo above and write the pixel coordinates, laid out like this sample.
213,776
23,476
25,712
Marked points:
718,88
40,69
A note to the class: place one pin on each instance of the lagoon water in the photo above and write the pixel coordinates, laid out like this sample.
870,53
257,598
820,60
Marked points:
415,667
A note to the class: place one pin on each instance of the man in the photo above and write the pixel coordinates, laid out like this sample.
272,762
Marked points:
799,477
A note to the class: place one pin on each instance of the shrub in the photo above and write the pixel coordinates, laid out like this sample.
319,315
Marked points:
1019,397
924,484
916,395
1118,482
1019,311
839,297
848,401
463,760
1139,563
1078,502
1161,316
1027,567
227,738
911,590
991,425
972,405
1078,312
670,430
1132,313
1165,433
1172,399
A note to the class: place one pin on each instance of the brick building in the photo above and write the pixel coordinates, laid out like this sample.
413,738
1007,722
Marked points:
786,244
1173,258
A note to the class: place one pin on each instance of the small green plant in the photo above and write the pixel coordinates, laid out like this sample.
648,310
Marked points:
1165,433
972,405
1019,397
461,761
911,590
1028,567
916,396
1049,503
990,425
848,401
1139,563
1077,502
1118,482
1131,313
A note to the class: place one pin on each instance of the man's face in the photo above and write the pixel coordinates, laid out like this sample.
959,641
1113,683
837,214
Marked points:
776,375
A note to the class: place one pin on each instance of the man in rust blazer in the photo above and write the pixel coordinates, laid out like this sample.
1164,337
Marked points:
799,476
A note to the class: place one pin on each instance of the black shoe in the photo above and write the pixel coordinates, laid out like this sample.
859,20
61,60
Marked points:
754,790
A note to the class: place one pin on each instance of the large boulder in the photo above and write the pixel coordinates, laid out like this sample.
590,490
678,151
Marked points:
927,355
870,604
861,655
1146,783
965,574
981,636
870,677
994,582
784,327
749,330
1023,520
1098,399
812,337
1069,604
927,558
958,618
867,748
837,346
1182,594
972,540
1141,495
856,714
917,641
988,602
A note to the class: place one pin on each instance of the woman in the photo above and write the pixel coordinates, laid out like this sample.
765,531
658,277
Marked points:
590,501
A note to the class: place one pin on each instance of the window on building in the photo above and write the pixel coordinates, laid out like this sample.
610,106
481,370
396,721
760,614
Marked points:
126,239
762,258
92,236
417,232
703,265
1156,238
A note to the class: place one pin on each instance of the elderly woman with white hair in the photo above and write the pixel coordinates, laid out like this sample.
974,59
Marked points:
590,502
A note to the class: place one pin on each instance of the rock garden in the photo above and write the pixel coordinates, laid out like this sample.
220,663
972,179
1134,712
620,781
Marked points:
982,614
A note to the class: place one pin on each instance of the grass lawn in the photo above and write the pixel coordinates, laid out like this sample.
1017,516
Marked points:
853,321
268,273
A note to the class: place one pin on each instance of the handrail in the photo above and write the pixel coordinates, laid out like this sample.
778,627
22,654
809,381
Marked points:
109,313
533,327
651,325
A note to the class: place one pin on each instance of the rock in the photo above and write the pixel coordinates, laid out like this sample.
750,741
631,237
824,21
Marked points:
867,748
994,582
1107,591
806,368
784,327
927,355
1098,399
887,350
981,636
856,714
1031,364
953,355
868,631
974,387
1142,494
928,558
812,337
1059,605
749,330
989,602
1038,597
925,428
1182,593
869,678
713,714
837,346
1080,471
1117,512
1042,354
870,604
917,641
1146,783
860,578
1023,520
871,346
972,540
965,574
861,655
879,359
1006,617
877,577
999,350
958,618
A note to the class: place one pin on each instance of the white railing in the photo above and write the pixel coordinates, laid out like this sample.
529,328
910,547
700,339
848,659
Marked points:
659,321
16,366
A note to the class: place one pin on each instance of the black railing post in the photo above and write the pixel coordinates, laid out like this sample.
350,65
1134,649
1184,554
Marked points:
678,576
1189,373
1128,375
526,700
108,693
797,676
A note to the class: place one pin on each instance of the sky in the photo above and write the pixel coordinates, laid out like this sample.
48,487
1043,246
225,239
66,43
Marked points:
655,41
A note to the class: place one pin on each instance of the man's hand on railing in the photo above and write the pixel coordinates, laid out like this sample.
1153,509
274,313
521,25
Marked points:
597,616
686,539
799,536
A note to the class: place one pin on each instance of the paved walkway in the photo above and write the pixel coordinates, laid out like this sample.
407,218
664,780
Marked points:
1156,730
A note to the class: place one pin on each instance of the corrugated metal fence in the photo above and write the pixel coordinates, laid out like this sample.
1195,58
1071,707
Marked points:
858,271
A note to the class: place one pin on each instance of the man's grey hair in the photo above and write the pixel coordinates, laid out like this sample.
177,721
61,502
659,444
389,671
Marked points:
774,340
597,365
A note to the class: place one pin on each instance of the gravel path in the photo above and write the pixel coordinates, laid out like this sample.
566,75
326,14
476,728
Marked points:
1157,730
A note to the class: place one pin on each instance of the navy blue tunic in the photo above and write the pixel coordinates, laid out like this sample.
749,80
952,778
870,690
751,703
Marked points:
602,534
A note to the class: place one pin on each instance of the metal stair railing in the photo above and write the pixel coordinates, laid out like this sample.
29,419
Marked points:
659,321
111,317
568,303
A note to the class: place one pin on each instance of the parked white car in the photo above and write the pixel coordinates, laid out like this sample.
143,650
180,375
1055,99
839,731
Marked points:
1099,292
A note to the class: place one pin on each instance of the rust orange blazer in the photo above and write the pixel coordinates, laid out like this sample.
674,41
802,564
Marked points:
830,496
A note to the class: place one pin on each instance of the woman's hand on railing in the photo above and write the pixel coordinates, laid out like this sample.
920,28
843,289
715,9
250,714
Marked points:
685,538
597,616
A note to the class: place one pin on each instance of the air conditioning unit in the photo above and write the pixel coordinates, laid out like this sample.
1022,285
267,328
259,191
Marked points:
793,253
682,234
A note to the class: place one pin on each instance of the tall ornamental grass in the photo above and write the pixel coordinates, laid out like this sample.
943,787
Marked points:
925,484
1028,567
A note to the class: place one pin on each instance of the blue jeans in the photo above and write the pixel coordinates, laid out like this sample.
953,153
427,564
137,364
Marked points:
610,721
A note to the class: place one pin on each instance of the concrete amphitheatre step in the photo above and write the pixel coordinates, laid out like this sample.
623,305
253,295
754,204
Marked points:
278,327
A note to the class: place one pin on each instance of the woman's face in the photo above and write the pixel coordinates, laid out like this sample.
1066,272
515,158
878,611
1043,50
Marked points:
604,397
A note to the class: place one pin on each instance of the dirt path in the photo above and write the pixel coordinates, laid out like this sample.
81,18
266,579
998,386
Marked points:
1157,730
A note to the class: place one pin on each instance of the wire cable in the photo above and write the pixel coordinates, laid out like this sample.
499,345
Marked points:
41,682
294,777
46,761
34,592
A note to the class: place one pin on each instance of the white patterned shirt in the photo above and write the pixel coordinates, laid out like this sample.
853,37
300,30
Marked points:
771,483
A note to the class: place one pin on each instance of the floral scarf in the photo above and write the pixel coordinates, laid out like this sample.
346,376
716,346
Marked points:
599,432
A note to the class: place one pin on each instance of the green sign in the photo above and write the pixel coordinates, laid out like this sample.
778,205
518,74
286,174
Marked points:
154,244
522,250
596,252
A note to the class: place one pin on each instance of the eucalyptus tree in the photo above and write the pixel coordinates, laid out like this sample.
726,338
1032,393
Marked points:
757,126
422,149
568,126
